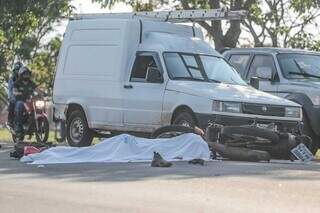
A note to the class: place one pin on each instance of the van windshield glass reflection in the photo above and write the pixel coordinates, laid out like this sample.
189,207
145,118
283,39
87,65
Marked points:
186,66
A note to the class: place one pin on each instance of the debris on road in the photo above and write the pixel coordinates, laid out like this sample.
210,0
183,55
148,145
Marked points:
197,161
158,161
23,149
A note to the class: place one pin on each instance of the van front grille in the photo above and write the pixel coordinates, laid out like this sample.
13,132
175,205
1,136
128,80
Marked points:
261,109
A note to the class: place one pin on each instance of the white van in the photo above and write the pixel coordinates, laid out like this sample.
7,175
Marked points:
133,75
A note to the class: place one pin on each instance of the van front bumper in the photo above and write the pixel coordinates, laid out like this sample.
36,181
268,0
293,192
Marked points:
282,125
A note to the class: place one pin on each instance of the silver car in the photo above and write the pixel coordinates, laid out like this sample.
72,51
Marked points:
289,73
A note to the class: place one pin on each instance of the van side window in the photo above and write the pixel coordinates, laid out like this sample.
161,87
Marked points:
140,68
240,62
181,66
261,61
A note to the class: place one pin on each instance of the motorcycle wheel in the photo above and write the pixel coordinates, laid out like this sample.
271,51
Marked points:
249,131
17,139
43,134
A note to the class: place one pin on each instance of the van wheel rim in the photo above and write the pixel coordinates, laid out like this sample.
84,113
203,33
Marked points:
170,134
76,130
185,123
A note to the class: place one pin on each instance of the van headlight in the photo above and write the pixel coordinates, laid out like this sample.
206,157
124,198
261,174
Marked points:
39,104
226,106
293,112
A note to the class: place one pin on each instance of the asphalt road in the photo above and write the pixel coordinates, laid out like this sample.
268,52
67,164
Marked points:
219,186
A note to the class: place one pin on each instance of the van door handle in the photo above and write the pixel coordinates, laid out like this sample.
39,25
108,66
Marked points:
128,86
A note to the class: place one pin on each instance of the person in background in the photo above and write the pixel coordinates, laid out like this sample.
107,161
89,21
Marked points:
23,88
11,98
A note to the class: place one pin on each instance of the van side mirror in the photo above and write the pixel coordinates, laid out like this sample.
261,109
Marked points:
264,73
254,82
154,75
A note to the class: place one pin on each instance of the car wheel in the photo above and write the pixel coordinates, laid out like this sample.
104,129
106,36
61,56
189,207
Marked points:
184,119
171,131
78,132
308,131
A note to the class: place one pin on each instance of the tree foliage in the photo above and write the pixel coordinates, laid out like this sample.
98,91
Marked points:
23,27
44,64
284,23
224,34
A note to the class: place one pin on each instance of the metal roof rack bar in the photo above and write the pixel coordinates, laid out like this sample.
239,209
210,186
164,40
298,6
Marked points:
177,16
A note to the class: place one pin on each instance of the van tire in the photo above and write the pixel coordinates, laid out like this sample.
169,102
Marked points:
77,122
184,119
171,129
308,131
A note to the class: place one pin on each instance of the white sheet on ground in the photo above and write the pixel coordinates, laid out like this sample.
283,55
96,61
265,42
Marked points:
126,148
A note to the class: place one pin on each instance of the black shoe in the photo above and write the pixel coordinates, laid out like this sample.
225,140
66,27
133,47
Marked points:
158,161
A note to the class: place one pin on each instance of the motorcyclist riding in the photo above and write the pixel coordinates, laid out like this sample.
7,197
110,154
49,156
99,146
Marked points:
23,88
11,97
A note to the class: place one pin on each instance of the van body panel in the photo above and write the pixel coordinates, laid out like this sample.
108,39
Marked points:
226,92
91,66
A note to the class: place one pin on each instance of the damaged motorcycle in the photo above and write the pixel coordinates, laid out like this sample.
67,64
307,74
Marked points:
247,142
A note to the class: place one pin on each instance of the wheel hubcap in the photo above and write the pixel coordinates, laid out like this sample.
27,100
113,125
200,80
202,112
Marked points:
185,123
76,130
170,134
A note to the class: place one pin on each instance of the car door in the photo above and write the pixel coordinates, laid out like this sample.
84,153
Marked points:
262,61
240,61
143,99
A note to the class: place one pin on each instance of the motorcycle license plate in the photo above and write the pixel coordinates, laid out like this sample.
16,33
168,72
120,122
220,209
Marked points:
302,153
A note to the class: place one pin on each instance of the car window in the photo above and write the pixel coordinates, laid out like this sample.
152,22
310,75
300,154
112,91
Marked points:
176,66
217,69
299,66
140,68
190,60
240,62
183,66
261,61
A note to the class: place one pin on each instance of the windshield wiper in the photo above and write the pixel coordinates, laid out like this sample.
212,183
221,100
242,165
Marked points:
188,78
213,80
304,74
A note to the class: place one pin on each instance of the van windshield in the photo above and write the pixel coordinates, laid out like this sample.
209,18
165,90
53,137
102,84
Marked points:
186,66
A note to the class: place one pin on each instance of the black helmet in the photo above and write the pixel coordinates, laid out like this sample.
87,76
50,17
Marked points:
24,72
16,67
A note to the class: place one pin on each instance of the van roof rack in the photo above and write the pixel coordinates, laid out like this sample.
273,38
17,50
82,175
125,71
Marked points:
178,16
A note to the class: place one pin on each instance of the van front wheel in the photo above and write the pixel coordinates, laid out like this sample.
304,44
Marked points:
78,132
184,119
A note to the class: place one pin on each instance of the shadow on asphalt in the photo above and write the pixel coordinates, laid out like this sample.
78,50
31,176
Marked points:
117,172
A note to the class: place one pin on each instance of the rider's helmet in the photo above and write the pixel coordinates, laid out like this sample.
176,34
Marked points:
16,67
24,73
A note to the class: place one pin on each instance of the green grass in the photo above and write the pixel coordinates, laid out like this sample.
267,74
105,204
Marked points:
5,136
